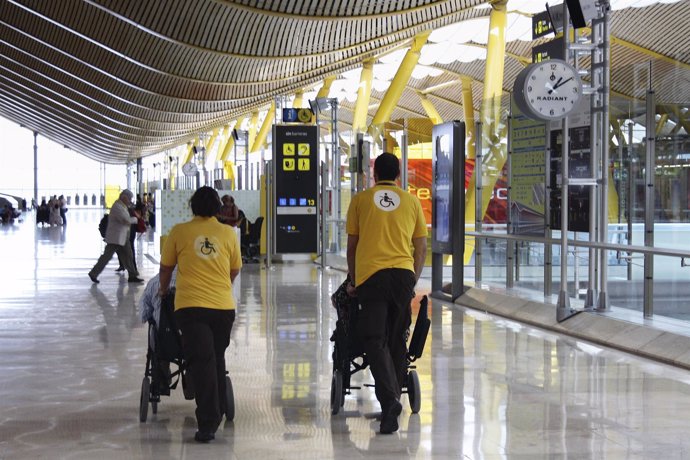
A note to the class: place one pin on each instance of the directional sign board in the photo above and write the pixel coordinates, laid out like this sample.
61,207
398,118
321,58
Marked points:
296,188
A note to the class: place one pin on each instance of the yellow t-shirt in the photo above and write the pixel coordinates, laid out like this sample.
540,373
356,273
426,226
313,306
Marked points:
386,219
205,251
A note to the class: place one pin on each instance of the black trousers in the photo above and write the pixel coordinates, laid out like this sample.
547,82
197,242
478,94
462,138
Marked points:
383,323
205,337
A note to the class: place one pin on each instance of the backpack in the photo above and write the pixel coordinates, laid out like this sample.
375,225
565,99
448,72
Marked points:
103,225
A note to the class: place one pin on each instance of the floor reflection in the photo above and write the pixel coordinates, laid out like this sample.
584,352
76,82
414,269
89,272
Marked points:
74,356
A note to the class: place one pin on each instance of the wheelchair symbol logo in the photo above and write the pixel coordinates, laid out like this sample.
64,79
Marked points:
205,247
386,200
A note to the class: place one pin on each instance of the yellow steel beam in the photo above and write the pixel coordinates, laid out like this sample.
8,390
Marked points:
297,102
265,128
253,122
617,131
430,109
395,90
648,52
443,85
325,90
468,108
490,117
225,136
661,123
359,121
210,142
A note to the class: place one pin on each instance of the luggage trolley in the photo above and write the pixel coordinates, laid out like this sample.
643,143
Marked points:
349,357
165,346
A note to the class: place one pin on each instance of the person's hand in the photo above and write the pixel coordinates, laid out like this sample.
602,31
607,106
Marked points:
351,290
162,293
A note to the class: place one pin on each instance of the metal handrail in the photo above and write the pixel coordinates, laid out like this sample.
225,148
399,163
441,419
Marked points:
585,244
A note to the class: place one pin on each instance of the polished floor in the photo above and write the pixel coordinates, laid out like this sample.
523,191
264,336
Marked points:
73,357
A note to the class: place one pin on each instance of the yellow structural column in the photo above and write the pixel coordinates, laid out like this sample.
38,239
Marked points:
209,144
470,142
297,102
223,142
468,110
359,120
429,108
492,131
265,128
395,90
326,88
253,122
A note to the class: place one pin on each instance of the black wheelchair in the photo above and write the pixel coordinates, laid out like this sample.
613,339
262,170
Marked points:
165,350
349,357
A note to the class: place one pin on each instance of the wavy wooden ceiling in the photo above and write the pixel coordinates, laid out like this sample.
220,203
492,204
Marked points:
120,79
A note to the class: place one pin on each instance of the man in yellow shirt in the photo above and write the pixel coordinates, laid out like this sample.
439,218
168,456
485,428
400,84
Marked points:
386,249
208,257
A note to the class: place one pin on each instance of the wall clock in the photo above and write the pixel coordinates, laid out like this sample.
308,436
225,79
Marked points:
548,90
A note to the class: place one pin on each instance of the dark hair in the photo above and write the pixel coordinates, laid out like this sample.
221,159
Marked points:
387,166
205,202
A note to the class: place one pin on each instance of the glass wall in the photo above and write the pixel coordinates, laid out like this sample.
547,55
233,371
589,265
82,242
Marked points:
520,197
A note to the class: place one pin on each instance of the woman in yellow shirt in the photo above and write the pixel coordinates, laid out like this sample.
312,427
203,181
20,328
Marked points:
208,258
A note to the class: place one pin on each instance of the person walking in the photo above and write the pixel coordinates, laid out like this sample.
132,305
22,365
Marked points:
117,239
386,250
208,258
63,209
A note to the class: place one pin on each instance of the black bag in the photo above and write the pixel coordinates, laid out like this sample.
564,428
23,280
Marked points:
168,337
421,330
103,225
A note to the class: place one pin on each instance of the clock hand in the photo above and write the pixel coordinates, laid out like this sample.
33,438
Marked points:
561,83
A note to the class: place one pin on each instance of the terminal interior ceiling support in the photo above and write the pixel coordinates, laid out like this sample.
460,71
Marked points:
325,90
253,124
395,90
210,143
431,111
359,120
265,128
490,117
225,136
297,102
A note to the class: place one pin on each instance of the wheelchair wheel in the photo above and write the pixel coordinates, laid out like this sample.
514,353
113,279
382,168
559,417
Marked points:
337,395
414,392
144,399
229,399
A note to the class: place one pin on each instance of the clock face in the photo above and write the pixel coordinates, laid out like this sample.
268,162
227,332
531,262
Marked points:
189,169
548,90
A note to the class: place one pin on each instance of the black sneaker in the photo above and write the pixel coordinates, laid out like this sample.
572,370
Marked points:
134,279
389,418
93,278
204,436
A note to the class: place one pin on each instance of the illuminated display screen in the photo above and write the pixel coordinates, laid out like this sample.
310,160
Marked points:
296,188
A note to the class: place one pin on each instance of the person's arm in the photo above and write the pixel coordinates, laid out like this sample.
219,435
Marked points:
165,275
352,241
233,274
419,255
